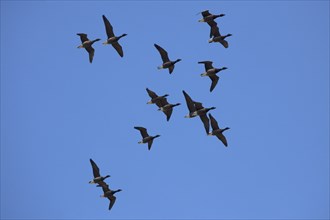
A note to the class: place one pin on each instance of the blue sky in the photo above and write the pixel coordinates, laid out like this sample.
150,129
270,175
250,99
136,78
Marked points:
58,110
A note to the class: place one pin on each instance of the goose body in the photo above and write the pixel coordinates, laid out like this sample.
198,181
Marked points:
167,63
211,72
217,37
154,97
112,39
146,138
166,107
216,131
208,17
197,109
108,193
96,172
87,44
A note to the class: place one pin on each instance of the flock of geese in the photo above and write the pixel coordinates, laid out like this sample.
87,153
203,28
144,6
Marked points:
195,108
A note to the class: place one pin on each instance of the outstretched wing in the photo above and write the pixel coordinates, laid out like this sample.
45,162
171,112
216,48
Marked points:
189,101
215,31
83,37
108,27
214,122
152,94
90,51
224,43
143,131
215,80
112,201
163,53
96,170
222,138
168,113
118,48
170,69
206,123
150,144
207,64
105,187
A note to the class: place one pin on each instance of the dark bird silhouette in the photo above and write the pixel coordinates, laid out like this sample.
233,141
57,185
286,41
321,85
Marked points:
211,72
208,17
217,37
87,44
146,138
166,107
112,39
197,109
108,193
217,131
167,63
96,172
154,97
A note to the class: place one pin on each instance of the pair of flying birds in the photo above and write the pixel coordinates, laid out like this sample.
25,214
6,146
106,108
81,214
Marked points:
98,179
112,39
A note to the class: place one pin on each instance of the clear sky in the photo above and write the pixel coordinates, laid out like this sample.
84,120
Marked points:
58,110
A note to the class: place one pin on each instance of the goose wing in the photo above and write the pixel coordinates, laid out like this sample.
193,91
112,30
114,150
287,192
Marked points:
118,48
108,27
168,113
189,101
214,122
152,94
222,138
90,51
96,170
150,144
224,43
112,199
163,53
171,68
105,187
207,64
83,37
215,31
206,123
212,24
143,131
215,80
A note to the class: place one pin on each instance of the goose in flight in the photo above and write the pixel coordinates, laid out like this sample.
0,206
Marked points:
112,39
146,138
216,131
87,44
211,72
167,63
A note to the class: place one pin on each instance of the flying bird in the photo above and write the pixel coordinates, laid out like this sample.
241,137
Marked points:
197,109
166,107
146,138
112,39
167,63
87,44
216,131
208,17
217,37
108,193
96,172
154,97
211,72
